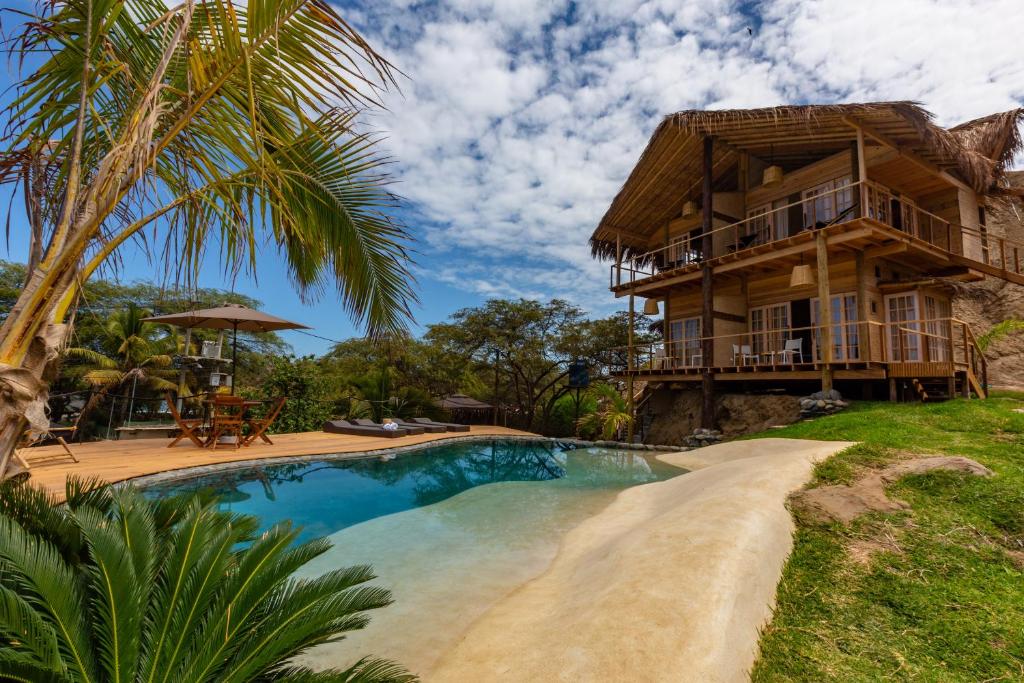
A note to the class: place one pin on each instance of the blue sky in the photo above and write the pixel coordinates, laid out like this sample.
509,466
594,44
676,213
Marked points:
518,120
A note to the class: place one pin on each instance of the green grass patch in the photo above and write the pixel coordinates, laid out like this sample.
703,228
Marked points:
935,593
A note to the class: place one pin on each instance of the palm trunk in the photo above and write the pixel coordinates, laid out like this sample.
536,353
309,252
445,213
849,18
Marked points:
31,346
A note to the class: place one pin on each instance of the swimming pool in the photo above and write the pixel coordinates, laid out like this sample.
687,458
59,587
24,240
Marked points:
450,529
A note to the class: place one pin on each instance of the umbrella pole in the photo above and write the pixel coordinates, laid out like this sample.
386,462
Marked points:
234,356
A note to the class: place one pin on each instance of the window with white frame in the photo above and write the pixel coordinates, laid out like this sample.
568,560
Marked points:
684,249
938,326
825,202
902,320
845,333
768,222
686,342
769,328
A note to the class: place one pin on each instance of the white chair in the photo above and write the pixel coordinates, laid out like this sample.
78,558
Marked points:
793,348
696,360
660,361
742,354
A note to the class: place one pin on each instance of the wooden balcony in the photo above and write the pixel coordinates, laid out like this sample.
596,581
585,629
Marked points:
878,223
916,349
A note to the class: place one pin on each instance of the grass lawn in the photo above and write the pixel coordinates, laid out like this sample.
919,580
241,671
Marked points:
935,593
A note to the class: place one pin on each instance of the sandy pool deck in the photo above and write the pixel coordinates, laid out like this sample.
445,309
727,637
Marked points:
670,582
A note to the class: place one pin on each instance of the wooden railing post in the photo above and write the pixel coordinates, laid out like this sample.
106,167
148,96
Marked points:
824,310
618,259
707,289
630,366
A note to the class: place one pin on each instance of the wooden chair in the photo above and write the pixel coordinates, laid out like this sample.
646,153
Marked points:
258,425
228,418
53,432
189,428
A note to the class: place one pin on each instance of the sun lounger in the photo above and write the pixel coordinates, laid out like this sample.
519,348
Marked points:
346,427
409,429
450,426
429,427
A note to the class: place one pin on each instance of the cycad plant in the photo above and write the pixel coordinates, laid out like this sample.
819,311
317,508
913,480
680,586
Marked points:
211,125
116,587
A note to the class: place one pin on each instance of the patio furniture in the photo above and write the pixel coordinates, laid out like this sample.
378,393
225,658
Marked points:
793,348
429,427
188,428
661,361
371,423
228,416
696,359
258,425
741,354
346,427
450,426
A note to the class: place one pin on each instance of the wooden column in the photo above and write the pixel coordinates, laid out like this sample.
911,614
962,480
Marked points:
707,418
861,175
630,366
858,209
824,311
618,259
666,327
863,308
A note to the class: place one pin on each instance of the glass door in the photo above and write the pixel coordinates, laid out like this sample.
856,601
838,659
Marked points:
845,332
769,329
902,321
938,327
686,346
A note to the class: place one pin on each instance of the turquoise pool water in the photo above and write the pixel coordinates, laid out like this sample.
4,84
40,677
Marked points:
450,529
328,496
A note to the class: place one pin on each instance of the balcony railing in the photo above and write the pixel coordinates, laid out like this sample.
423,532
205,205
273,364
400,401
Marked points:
824,210
933,340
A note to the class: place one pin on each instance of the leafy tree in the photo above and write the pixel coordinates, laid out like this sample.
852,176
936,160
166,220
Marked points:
113,586
212,124
522,349
299,379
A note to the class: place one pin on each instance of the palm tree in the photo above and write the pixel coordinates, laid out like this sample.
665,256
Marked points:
132,356
115,587
212,124
611,415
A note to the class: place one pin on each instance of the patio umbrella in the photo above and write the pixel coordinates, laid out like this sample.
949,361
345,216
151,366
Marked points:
232,317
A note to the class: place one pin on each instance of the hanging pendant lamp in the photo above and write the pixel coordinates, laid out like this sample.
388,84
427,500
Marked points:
651,307
773,174
802,275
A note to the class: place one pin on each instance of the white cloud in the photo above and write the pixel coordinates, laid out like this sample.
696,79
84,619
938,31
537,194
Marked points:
521,119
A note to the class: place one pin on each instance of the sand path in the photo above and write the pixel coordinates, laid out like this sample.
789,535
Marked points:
671,581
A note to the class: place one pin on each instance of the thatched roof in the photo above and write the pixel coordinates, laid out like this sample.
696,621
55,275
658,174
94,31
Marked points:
995,137
670,169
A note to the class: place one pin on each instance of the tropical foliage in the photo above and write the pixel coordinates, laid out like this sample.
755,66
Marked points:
999,331
212,122
610,417
133,351
113,586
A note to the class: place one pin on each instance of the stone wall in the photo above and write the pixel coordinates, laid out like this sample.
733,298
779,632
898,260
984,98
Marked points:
983,304
674,414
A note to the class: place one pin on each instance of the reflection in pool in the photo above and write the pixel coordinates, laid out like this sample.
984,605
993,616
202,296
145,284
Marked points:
327,496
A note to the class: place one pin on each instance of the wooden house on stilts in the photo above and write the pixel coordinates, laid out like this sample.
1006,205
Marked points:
811,246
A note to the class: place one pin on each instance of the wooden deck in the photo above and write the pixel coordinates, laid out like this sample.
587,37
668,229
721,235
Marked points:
115,461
